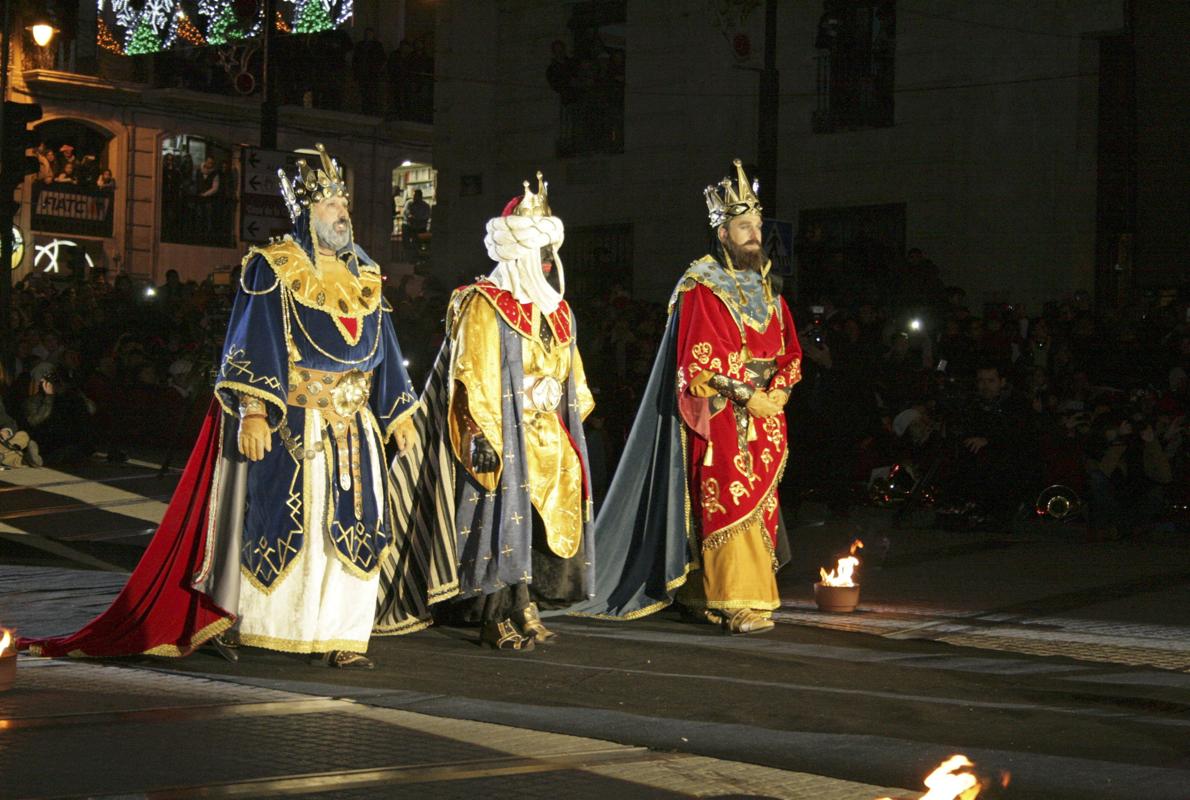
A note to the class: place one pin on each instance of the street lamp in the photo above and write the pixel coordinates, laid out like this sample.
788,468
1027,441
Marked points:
43,33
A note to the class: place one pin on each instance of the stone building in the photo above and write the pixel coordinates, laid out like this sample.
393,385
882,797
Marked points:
969,130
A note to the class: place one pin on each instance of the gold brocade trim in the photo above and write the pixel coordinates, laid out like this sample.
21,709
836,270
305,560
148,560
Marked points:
392,426
690,279
386,551
289,308
217,477
243,369
209,632
412,626
298,646
725,605
670,586
168,650
347,296
718,537
692,549
297,504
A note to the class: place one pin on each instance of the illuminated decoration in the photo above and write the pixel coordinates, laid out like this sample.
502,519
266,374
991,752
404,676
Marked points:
50,254
132,27
104,38
188,32
18,246
313,16
144,40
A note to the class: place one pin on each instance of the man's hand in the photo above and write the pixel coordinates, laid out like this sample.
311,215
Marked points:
779,396
5,434
255,439
762,405
404,435
975,443
483,456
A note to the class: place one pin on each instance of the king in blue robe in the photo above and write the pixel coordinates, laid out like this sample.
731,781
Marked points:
312,371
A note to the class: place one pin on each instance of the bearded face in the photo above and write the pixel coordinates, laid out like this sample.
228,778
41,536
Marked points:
741,238
331,223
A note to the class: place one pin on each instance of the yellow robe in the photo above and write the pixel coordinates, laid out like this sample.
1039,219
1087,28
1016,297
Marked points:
556,481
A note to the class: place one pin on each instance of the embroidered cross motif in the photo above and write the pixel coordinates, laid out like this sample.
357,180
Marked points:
516,518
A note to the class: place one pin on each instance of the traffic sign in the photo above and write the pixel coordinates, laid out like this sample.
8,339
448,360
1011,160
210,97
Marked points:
262,211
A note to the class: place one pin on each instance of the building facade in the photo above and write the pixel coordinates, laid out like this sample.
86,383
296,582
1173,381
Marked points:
173,135
969,130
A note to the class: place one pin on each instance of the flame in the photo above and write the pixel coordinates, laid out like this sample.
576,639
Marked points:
841,574
5,639
953,780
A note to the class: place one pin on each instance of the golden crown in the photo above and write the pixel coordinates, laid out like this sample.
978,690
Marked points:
310,186
535,205
725,201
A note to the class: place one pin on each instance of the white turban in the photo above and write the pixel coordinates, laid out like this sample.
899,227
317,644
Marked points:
515,243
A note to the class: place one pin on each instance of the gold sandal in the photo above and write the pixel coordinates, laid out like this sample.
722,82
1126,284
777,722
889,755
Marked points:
345,659
748,621
532,627
503,635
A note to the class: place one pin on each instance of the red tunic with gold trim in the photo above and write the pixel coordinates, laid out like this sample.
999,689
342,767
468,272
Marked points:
735,461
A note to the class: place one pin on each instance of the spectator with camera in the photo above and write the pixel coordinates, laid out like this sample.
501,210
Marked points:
17,449
1127,475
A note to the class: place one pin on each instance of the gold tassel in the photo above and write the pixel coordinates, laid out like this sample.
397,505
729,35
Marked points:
709,459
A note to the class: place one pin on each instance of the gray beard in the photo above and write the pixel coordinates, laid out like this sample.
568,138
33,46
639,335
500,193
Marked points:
745,259
329,237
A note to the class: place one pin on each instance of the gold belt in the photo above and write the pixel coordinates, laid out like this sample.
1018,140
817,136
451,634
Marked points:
338,396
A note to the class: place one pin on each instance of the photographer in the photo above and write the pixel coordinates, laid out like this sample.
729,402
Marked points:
16,448
58,414
1127,472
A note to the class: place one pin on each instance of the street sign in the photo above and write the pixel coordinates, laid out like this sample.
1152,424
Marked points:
778,245
262,211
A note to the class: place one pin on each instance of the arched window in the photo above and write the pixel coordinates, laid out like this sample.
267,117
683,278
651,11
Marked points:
198,192
73,191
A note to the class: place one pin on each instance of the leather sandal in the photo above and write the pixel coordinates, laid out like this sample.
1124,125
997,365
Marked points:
226,646
532,627
345,659
748,621
503,635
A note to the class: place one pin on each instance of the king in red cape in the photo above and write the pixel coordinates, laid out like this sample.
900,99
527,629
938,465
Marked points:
692,512
285,513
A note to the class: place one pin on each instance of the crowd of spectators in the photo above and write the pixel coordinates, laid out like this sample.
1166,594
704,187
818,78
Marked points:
103,368
198,202
987,409
65,166
327,70
590,88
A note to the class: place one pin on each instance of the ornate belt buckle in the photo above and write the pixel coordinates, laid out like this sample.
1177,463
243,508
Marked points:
350,393
545,394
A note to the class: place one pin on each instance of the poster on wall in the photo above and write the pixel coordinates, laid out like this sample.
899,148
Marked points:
69,208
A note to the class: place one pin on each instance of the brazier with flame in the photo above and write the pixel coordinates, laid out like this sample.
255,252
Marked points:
837,591
8,659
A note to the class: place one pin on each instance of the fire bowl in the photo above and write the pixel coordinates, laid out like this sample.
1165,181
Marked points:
8,670
838,599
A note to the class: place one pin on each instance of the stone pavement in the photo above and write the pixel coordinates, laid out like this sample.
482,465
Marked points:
81,729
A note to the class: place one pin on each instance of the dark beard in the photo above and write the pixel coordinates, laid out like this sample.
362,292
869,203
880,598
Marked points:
745,259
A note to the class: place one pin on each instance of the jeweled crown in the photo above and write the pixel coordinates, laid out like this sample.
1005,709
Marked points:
535,204
309,186
725,201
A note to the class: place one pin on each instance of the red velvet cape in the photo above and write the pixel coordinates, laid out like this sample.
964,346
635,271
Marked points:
158,612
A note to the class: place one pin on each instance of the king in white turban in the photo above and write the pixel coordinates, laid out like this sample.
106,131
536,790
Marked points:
505,454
